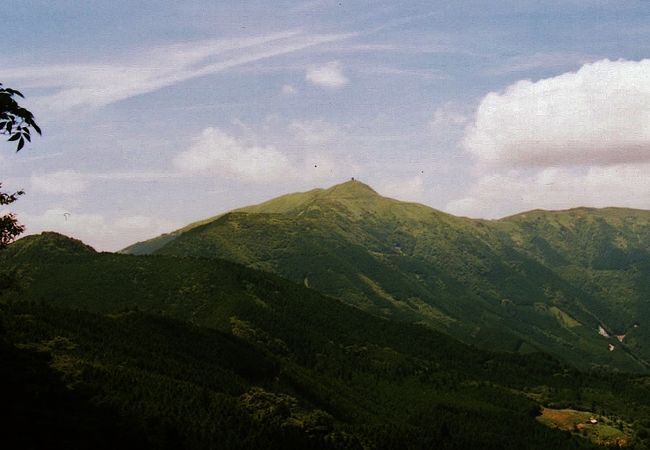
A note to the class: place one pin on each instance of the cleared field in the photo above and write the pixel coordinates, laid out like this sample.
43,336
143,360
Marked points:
603,432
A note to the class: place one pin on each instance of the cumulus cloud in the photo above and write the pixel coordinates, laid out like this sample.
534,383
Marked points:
215,151
597,115
578,139
67,182
329,75
218,152
501,194
102,233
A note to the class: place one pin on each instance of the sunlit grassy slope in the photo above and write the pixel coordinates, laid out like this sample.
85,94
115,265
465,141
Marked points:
539,280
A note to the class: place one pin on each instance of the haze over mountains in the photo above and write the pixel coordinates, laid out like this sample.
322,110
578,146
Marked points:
573,283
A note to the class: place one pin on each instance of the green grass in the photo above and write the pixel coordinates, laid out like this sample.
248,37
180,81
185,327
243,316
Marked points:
604,432
477,280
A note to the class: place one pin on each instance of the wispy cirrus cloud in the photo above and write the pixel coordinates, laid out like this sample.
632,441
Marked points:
540,60
424,74
93,85
314,132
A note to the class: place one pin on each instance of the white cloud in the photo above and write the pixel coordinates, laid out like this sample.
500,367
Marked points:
500,194
329,75
598,115
98,84
102,233
305,155
67,182
215,151
288,89
220,153
578,139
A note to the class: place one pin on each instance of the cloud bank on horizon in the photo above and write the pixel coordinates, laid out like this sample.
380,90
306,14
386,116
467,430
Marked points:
159,116
598,115
579,138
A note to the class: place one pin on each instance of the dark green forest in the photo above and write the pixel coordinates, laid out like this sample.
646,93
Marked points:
103,350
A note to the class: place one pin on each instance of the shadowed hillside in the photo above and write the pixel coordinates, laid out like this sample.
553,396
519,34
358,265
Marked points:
205,353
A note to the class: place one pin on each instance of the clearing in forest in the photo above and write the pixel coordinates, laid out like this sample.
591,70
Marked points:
598,429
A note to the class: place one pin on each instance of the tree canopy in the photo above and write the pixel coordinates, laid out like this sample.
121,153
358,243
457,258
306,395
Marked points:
16,122
9,226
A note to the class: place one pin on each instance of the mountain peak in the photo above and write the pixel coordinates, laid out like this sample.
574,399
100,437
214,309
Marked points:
351,188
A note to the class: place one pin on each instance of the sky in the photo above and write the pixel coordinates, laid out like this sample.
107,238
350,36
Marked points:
156,114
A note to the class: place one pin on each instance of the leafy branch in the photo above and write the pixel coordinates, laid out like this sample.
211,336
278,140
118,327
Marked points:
9,226
15,121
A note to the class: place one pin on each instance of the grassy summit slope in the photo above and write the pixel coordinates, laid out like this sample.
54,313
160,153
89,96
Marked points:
500,284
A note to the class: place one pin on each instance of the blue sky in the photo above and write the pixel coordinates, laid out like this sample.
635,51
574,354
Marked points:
162,113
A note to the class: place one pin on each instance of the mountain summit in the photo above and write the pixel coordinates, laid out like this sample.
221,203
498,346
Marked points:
47,244
354,194
352,188
535,281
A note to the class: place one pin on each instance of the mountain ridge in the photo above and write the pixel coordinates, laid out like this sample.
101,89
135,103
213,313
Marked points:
536,280
287,202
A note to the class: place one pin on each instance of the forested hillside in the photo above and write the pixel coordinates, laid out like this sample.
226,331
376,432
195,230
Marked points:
168,352
571,283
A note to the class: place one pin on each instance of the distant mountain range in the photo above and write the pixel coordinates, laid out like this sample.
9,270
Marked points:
573,283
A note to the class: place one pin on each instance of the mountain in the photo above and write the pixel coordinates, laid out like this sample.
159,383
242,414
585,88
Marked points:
184,352
566,282
48,244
